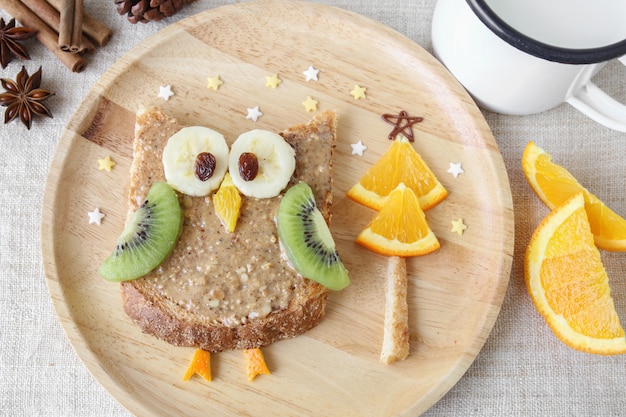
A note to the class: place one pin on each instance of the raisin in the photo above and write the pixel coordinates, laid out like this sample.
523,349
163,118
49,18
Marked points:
204,166
248,166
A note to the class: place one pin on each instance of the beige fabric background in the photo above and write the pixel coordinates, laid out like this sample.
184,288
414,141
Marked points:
522,370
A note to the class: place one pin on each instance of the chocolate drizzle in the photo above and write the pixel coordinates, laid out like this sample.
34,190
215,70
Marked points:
399,127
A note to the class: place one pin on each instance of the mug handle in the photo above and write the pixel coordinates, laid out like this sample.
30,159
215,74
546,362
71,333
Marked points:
598,105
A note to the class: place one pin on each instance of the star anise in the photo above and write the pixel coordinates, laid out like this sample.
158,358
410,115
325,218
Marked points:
10,37
23,97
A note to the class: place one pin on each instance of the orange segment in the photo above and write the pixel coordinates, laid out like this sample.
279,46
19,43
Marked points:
553,184
568,284
400,164
400,227
227,202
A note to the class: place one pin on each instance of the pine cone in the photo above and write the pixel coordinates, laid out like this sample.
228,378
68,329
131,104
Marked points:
147,10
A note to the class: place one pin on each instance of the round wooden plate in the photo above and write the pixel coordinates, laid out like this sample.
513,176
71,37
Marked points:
454,294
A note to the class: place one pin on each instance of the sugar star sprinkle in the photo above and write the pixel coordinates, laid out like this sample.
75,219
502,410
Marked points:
214,82
458,226
105,164
310,104
95,216
254,113
455,169
272,81
165,92
311,73
358,148
358,92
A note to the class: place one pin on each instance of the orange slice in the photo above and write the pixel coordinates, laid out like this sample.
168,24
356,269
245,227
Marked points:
400,164
553,184
227,202
568,284
400,227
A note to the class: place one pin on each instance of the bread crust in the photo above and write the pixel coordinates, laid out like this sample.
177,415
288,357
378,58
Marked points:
153,317
396,329
172,323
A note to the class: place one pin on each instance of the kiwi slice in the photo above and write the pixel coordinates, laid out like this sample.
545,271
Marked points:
148,238
307,241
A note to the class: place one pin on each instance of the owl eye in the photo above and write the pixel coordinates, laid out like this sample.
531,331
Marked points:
261,163
195,160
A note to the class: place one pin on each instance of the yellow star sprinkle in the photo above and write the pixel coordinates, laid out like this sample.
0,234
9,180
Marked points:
105,164
458,226
272,81
310,104
214,82
358,92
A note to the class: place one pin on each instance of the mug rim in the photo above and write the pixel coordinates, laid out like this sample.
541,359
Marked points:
543,50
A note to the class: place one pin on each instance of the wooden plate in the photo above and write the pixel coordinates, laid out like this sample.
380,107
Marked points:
455,294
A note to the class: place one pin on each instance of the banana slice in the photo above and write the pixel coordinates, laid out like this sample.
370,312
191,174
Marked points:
261,163
195,160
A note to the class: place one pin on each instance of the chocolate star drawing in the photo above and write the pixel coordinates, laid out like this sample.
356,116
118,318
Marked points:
402,123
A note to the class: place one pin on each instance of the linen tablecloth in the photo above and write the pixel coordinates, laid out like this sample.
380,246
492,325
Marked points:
523,370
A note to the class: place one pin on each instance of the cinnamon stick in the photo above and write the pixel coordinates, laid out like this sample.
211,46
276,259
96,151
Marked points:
45,34
51,16
77,27
95,30
67,24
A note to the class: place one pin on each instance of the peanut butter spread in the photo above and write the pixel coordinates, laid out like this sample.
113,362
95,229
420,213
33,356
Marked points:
225,278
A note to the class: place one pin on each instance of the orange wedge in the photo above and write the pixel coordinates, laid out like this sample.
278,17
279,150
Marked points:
400,227
227,202
568,284
400,164
553,184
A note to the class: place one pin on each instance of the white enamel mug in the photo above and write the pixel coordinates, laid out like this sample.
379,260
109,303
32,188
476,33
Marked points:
526,56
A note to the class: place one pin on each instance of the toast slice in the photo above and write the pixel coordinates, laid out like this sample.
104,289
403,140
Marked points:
220,290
